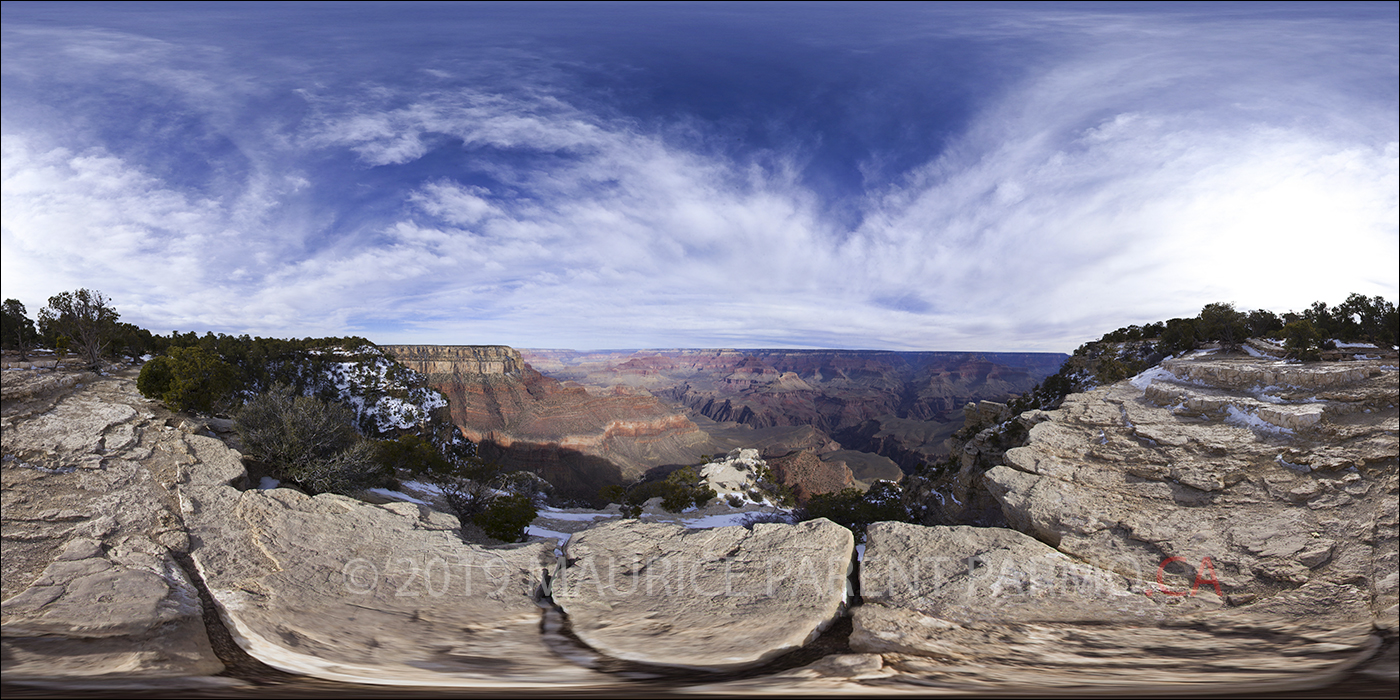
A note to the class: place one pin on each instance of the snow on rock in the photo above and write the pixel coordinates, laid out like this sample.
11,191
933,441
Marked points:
1145,379
736,474
384,394
398,496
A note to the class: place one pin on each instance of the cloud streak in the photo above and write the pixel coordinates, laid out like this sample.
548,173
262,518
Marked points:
1133,166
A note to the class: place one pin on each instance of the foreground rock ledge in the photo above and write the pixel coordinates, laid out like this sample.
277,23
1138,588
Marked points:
992,609
92,589
339,589
714,600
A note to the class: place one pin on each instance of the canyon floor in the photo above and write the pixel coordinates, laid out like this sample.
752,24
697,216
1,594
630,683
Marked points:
1218,525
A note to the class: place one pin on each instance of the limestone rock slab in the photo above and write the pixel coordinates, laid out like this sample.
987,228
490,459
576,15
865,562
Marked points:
971,609
92,587
990,574
719,599
386,594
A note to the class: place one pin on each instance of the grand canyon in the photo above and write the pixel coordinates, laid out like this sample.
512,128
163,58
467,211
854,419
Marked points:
584,420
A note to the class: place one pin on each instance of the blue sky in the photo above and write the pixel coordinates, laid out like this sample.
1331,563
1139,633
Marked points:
897,176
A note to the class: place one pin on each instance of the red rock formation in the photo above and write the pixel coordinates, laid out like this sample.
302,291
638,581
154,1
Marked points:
497,398
808,475
857,394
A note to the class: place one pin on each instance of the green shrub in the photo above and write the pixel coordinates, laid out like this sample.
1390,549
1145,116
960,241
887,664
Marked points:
678,491
188,379
855,510
309,442
507,517
1301,339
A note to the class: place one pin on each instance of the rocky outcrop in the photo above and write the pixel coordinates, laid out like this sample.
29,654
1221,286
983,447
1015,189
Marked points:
1283,476
388,594
985,609
720,599
736,475
806,474
92,583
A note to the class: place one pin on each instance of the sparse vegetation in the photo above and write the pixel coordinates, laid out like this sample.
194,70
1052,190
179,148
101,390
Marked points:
680,489
855,510
309,442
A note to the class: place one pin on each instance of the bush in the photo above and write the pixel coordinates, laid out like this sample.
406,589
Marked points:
189,379
1301,339
309,442
507,517
678,491
855,510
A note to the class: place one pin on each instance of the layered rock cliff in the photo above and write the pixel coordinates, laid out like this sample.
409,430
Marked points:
579,440
1283,476
901,405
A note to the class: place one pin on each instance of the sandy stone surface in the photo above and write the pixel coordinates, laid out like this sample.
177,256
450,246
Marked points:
719,599
1183,471
387,594
993,609
91,585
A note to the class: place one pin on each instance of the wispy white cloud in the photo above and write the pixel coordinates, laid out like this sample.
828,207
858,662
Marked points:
1144,167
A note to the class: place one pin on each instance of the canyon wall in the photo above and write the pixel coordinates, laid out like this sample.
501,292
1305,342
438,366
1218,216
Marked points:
901,405
579,440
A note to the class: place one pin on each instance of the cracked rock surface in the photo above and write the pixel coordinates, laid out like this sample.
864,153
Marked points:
119,517
993,609
720,599
91,586
1211,462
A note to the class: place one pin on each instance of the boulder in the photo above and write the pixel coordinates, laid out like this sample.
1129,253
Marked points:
715,600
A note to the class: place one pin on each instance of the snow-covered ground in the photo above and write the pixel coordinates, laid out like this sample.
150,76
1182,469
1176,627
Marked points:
1152,374
385,395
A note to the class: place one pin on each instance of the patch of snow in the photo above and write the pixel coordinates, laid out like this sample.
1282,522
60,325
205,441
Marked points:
556,514
860,552
1245,419
398,496
268,483
537,531
1365,357
1340,344
1152,374
1252,352
423,486
721,520
1295,467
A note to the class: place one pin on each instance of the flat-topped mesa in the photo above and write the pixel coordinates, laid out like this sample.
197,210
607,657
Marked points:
442,362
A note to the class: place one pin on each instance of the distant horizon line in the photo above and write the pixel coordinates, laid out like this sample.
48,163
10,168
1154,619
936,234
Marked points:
720,349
